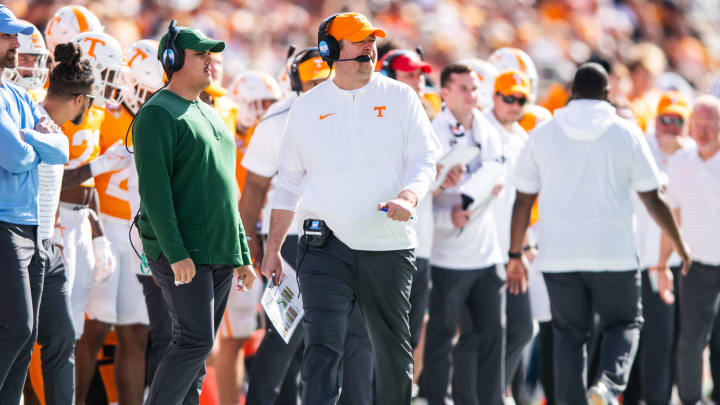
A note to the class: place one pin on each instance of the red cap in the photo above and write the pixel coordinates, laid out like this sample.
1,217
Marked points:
407,61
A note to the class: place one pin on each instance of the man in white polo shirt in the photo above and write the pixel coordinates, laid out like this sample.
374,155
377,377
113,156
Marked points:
694,194
654,366
583,164
466,261
354,146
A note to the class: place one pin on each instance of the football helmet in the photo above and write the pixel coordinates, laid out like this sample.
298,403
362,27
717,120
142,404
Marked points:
486,74
108,65
69,21
249,90
145,73
514,58
35,76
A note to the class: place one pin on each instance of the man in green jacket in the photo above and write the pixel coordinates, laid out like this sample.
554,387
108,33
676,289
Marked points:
189,222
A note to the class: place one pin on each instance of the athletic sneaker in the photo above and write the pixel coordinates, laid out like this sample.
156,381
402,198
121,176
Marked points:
599,394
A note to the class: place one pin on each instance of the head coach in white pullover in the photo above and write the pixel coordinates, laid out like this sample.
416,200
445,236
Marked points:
583,164
354,145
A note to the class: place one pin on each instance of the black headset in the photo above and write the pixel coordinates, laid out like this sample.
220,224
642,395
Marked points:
386,65
387,60
302,56
173,57
172,60
327,44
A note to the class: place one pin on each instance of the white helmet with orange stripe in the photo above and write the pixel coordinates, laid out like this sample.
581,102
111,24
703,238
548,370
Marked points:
145,74
514,58
32,70
108,64
486,74
283,80
69,21
254,92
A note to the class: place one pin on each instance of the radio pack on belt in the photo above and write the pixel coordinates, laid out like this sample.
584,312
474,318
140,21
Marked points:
316,232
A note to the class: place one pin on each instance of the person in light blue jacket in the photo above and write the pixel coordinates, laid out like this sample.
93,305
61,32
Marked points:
26,140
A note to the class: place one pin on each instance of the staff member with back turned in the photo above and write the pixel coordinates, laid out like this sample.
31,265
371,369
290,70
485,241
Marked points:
354,145
189,223
588,249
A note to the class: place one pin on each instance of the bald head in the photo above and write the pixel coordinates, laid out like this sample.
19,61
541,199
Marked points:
591,82
708,103
705,125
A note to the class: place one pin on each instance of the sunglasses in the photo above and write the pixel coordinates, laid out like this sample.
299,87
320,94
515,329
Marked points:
667,120
512,99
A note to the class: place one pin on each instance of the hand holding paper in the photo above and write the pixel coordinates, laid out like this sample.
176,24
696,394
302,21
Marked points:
283,303
459,155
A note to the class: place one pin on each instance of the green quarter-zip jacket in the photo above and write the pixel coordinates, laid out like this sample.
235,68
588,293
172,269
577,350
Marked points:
185,158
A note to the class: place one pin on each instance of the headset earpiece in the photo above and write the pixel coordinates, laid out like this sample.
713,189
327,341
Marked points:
327,45
302,56
386,63
173,57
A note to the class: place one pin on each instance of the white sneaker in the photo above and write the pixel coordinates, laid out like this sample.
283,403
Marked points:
509,401
599,394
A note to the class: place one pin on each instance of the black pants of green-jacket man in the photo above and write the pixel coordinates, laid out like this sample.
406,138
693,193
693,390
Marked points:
186,163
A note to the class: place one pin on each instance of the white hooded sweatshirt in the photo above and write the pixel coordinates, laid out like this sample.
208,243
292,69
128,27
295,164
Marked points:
584,164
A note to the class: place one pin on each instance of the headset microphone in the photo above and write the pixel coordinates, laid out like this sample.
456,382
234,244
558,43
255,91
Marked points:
361,58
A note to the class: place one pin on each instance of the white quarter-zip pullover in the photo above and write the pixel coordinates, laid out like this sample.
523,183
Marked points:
346,151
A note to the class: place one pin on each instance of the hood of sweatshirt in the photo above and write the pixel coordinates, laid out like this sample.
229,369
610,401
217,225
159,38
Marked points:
586,120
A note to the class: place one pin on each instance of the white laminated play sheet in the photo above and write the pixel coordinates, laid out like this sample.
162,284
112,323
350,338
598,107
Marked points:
283,304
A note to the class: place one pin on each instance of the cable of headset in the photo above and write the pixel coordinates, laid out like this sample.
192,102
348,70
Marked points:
127,132
172,60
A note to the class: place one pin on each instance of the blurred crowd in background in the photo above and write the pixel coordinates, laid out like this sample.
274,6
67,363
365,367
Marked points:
666,43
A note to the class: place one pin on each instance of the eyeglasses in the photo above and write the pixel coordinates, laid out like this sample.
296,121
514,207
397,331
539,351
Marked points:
512,99
88,96
667,120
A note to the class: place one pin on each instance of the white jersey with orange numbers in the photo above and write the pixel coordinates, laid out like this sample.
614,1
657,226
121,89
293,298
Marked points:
85,139
112,187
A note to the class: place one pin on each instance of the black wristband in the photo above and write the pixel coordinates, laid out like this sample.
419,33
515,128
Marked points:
515,255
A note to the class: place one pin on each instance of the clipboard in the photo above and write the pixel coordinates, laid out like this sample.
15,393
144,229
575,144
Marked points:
458,155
